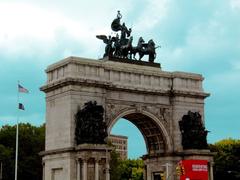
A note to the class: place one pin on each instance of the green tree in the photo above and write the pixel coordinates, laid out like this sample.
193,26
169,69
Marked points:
6,157
137,169
31,142
125,169
227,159
131,169
114,165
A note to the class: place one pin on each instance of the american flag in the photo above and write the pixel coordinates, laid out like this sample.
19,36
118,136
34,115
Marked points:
21,106
22,89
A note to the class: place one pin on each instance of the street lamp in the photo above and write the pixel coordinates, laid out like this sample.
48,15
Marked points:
167,165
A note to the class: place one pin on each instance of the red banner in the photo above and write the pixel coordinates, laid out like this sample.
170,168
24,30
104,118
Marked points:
194,169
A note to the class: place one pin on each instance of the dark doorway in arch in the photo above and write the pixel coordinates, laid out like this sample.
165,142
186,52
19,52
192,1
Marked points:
150,131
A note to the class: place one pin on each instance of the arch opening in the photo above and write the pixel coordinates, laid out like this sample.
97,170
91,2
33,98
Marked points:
152,132
135,146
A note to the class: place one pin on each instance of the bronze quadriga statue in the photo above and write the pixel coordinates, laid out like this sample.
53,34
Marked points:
122,47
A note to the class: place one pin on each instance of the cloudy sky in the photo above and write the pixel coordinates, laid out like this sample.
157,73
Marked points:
196,36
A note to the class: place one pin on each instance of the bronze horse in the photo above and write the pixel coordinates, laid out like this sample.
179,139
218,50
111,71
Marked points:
149,49
125,49
144,49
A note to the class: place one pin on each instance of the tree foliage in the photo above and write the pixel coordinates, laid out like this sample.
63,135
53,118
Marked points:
125,169
31,142
227,159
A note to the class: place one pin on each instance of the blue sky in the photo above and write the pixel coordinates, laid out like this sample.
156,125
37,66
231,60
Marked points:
196,36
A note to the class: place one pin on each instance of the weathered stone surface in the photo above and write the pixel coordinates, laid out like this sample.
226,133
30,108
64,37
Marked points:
154,100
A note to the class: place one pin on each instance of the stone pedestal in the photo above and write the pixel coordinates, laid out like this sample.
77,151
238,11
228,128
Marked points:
201,155
93,162
84,162
167,163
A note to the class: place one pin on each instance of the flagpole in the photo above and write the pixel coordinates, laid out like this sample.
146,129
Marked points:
16,155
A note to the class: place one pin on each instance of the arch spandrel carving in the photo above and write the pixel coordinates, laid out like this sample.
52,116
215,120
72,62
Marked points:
163,113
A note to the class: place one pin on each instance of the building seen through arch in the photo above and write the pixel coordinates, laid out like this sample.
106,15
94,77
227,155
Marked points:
120,144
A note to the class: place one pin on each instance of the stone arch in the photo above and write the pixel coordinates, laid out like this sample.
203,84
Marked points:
155,134
132,90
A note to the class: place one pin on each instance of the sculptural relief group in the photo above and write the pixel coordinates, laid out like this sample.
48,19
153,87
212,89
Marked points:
121,47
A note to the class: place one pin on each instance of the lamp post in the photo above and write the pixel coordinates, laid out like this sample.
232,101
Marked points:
167,165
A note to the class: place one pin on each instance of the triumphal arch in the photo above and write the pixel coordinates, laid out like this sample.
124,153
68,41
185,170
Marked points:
167,108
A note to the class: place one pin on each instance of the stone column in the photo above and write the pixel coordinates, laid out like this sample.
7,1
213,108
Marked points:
78,169
149,173
85,169
43,173
96,169
145,172
211,170
107,171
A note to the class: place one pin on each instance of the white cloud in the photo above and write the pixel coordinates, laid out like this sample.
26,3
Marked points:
235,4
152,14
27,21
26,28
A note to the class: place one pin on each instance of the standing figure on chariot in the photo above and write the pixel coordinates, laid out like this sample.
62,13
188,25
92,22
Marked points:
117,46
119,15
125,32
117,26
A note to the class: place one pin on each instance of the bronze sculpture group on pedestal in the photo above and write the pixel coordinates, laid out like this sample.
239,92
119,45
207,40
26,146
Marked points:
121,47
